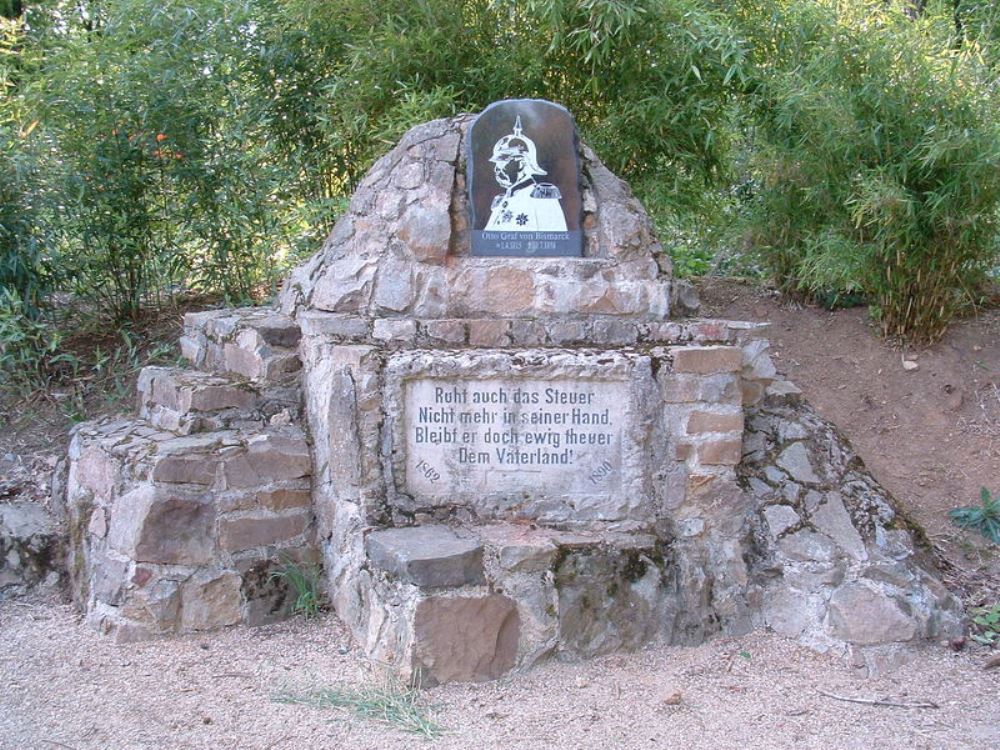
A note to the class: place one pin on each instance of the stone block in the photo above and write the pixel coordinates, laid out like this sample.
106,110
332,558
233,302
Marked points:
210,600
428,556
445,331
832,519
720,452
394,329
704,421
94,472
489,332
269,457
261,529
709,389
664,332
278,330
795,460
465,639
394,285
165,525
266,595
503,290
425,231
614,332
864,615
807,546
527,333
707,360
319,323
193,469
519,549
609,596
284,499
567,332
780,518
346,284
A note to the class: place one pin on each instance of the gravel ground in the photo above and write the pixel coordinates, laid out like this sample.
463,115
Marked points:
63,686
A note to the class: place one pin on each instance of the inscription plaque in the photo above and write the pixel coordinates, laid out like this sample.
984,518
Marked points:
524,180
513,435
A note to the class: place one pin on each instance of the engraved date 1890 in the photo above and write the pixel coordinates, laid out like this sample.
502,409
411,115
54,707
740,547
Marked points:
601,473
428,471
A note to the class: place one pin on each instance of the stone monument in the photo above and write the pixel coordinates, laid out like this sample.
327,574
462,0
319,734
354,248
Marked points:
498,452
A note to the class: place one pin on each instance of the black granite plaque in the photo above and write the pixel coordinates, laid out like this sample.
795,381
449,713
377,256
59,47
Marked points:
524,180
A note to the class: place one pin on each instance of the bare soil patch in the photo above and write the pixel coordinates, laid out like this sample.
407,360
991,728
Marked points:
62,685
931,435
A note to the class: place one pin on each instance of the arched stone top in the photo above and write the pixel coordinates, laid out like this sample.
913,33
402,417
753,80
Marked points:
402,248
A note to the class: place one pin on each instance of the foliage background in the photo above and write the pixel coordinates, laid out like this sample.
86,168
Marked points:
150,147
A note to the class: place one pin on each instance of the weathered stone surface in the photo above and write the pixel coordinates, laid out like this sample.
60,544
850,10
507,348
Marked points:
807,546
837,566
426,232
191,469
707,360
489,332
30,547
703,421
211,600
832,519
398,330
609,598
445,331
269,457
685,296
785,612
862,614
346,285
428,556
780,518
261,529
465,639
725,452
795,460
163,525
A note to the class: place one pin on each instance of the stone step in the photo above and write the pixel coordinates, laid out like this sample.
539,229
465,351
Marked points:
256,343
188,401
472,603
173,534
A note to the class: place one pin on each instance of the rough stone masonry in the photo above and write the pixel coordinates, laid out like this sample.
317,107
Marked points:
495,459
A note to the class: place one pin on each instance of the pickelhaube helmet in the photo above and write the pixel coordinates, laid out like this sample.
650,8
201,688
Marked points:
517,145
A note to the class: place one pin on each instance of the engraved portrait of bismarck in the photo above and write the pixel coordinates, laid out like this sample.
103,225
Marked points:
526,205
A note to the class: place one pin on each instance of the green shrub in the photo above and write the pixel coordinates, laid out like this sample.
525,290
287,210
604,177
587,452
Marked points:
985,517
31,349
986,623
878,149
648,81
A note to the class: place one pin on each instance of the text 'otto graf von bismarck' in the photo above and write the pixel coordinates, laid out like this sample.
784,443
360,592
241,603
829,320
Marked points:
507,435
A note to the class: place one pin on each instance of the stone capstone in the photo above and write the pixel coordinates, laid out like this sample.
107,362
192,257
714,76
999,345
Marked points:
427,556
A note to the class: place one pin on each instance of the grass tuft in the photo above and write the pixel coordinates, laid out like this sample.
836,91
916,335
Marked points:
384,700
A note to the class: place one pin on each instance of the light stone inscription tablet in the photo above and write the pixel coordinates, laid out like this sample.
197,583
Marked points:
514,435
